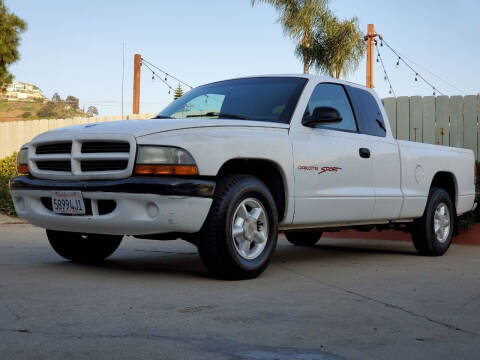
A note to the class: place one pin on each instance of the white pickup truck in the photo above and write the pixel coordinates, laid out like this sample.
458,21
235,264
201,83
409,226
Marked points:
231,163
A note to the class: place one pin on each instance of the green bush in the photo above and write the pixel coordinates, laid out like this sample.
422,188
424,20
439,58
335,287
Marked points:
8,170
27,114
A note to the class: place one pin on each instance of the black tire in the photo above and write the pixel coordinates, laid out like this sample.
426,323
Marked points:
217,247
303,238
83,248
423,234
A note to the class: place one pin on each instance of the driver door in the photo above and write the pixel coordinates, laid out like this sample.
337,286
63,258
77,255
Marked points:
333,174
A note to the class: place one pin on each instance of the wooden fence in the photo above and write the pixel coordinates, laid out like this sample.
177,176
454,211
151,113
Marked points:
451,121
14,134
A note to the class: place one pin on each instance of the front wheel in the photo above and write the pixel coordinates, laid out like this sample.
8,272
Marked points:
432,233
240,233
83,248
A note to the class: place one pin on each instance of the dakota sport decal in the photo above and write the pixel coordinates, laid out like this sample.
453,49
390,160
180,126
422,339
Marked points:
329,169
323,170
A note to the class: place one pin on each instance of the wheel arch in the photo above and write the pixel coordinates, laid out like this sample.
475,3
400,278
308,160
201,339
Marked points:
267,171
447,181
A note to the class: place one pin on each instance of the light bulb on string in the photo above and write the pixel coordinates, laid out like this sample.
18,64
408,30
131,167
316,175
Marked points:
153,76
398,61
166,77
416,77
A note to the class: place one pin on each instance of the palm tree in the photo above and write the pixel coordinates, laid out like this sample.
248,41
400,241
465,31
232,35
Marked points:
299,18
338,47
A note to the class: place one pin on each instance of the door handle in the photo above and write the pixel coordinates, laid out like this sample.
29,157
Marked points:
364,153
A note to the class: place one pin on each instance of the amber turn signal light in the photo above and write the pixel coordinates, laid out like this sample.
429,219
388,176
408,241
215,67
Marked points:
23,169
190,170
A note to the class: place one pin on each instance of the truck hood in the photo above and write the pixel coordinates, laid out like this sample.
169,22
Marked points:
139,128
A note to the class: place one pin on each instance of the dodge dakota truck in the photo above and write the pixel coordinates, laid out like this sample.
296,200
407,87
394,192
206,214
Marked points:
230,164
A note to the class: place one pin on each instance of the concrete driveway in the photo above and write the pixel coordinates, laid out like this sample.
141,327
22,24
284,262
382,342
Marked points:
354,299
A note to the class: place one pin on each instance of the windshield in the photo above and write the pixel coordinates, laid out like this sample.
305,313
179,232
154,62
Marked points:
259,99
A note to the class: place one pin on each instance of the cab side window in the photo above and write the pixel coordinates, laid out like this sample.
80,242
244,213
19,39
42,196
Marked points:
334,96
368,112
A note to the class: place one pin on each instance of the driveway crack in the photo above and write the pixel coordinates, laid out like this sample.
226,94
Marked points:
381,302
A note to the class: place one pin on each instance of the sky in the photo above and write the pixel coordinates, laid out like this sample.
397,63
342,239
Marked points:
76,47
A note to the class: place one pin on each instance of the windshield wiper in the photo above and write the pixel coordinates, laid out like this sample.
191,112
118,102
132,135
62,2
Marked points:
220,115
162,117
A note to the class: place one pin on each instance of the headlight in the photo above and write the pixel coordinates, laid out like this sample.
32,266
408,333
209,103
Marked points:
163,155
22,161
164,160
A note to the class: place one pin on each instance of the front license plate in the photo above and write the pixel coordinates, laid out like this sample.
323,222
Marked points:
68,202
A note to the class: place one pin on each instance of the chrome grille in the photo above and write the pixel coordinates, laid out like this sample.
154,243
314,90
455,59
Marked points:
83,157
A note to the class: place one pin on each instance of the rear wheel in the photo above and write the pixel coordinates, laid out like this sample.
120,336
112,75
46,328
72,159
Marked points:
85,248
301,238
240,233
432,233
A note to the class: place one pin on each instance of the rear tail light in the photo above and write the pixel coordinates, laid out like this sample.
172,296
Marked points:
475,174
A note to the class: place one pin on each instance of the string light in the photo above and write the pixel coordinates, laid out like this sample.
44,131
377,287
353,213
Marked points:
154,74
386,78
167,75
417,74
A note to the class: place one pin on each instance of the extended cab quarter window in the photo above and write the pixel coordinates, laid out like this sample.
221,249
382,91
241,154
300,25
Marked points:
333,95
369,115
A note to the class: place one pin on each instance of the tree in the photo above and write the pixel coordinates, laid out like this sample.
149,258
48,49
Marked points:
56,98
178,92
11,26
92,110
299,19
47,110
338,47
72,101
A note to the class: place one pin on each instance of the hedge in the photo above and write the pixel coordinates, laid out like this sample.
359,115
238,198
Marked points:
8,170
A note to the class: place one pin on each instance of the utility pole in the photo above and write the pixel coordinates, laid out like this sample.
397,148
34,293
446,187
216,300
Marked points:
137,64
370,38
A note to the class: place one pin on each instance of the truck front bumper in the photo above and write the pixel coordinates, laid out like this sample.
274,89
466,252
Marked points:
132,206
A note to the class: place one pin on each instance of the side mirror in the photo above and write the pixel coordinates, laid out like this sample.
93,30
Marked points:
322,115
